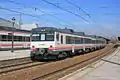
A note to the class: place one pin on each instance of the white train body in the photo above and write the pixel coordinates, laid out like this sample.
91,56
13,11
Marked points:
46,41
21,39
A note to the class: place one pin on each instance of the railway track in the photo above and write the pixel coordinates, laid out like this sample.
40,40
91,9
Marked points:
17,64
53,70
62,71
12,62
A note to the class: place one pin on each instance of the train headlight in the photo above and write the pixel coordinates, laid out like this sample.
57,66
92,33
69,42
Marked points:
33,48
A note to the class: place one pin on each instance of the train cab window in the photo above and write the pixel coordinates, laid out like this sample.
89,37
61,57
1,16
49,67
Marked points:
43,37
35,37
61,39
49,37
15,38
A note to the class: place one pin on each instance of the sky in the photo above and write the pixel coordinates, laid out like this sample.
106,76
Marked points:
104,15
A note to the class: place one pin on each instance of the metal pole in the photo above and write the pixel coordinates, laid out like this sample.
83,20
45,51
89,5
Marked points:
20,21
12,50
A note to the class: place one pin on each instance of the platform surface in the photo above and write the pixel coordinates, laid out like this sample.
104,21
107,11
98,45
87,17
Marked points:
5,55
108,68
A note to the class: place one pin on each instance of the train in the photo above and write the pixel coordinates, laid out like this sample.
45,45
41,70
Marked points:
21,38
50,42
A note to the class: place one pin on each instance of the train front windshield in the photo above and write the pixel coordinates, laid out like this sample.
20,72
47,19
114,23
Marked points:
43,37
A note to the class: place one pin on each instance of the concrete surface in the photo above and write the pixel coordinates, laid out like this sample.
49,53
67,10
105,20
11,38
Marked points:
108,68
5,55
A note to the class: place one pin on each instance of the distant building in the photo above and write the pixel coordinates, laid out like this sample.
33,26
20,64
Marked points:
8,23
28,26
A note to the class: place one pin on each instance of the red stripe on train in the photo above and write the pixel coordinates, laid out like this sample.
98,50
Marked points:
68,47
64,47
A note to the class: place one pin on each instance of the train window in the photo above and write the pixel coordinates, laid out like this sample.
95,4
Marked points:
4,37
19,38
0,38
93,41
68,40
78,40
61,39
35,37
27,38
9,37
87,41
49,37
96,41
23,38
81,40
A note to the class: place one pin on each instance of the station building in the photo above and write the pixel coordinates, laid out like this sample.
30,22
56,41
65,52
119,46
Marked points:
8,23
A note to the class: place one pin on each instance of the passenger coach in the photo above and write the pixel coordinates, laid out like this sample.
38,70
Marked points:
21,38
59,43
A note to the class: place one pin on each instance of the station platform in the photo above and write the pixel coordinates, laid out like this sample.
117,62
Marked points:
108,68
6,55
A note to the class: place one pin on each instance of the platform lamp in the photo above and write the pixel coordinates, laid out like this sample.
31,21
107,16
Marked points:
13,19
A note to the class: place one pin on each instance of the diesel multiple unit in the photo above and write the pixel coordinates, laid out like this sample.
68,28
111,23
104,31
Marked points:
59,43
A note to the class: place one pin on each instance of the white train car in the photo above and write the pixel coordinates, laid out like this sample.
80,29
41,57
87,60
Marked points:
48,41
21,38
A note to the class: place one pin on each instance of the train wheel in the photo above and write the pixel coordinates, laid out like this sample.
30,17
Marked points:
79,52
65,54
62,55
71,54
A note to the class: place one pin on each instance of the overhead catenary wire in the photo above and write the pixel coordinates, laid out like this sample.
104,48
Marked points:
24,14
78,8
66,10
38,9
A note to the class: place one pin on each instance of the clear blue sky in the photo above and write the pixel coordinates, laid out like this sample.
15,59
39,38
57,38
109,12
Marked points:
105,14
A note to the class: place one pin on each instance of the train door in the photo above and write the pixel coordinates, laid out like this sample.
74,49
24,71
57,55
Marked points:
83,43
61,39
57,39
73,44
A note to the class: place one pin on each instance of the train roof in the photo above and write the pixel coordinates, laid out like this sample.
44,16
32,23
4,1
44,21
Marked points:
98,37
51,29
68,31
16,30
44,29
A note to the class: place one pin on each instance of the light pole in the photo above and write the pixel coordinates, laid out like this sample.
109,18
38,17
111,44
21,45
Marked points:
13,19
